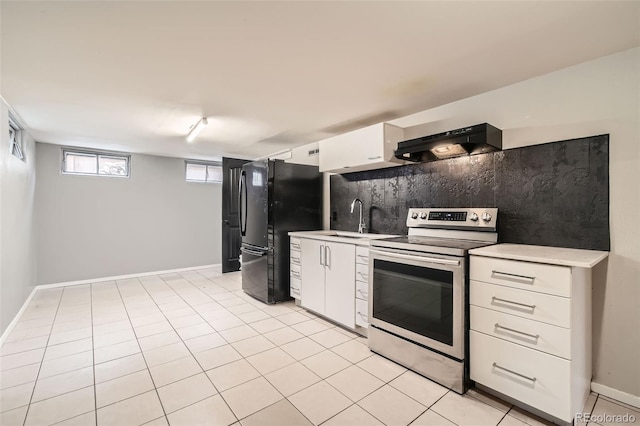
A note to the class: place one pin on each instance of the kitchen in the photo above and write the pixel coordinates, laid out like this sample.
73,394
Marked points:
597,97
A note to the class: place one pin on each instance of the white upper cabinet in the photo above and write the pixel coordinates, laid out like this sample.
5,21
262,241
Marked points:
363,149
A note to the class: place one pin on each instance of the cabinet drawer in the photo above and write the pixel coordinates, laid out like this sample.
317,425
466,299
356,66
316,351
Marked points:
362,290
295,293
294,244
362,272
362,313
540,380
549,279
295,257
295,271
526,304
533,334
295,288
362,255
295,283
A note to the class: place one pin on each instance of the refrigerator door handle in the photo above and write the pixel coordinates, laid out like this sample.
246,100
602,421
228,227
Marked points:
327,257
241,186
321,253
253,252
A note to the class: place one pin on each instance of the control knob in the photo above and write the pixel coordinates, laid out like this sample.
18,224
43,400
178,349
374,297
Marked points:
423,215
414,215
486,216
473,217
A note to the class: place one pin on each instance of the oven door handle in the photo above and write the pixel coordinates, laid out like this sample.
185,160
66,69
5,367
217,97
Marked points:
418,258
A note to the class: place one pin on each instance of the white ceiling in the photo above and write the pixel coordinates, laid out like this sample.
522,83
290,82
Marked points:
135,76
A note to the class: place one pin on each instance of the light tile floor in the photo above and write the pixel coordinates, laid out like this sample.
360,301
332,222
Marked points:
193,349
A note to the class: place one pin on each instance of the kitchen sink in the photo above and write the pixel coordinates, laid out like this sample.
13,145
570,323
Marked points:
355,235
344,236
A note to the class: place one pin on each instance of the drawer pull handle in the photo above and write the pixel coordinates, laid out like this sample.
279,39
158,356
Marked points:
524,305
533,336
365,276
365,258
362,315
532,379
364,293
295,260
524,277
295,274
295,246
295,290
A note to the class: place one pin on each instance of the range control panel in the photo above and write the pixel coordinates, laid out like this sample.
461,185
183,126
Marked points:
453,218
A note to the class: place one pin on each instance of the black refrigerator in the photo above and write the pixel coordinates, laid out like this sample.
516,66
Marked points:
275,198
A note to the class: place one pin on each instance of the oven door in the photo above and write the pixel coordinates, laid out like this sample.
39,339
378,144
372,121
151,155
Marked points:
419,297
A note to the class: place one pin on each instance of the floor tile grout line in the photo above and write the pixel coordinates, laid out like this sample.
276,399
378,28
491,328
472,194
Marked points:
618,403
93,355
35,382
21,366
261,375
157,418
486,403
82,414
440,414
143,357
182,340
246,323
277,345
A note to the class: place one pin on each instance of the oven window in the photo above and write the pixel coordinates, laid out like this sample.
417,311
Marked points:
415,298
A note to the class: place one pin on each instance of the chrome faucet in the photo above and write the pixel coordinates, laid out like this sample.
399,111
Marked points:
361,224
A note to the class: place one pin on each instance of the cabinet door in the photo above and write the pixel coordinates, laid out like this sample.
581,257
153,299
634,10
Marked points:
312,272
353,149
340,283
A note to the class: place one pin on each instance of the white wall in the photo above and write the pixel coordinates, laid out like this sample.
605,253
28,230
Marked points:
91,227
17,230
596,97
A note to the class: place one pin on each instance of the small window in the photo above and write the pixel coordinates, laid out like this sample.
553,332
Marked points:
15,139
95,163
203,172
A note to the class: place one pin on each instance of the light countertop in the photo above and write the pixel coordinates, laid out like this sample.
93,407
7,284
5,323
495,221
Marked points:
340,236
542,254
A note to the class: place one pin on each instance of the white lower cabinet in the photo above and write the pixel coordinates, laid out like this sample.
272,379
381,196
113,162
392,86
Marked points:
328,279
530,335
294,268
362,286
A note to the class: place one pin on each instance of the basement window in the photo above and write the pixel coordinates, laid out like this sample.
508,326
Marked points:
198,171
15,139
95,163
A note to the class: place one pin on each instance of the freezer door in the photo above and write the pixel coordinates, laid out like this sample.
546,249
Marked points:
255,272
254,203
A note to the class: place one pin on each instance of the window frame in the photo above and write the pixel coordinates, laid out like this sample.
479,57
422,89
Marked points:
202,163
16,147
98,154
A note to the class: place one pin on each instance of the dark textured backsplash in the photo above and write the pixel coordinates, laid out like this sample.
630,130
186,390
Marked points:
556,194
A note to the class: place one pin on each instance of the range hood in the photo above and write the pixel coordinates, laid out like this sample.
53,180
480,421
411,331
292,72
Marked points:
471,140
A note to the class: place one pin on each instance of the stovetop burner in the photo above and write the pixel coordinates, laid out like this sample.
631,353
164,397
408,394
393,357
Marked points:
451,231
430,244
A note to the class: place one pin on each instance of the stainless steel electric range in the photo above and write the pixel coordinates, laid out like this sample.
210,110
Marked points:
418,289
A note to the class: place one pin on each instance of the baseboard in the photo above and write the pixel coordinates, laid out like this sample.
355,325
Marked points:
124,277
616,394
15,319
